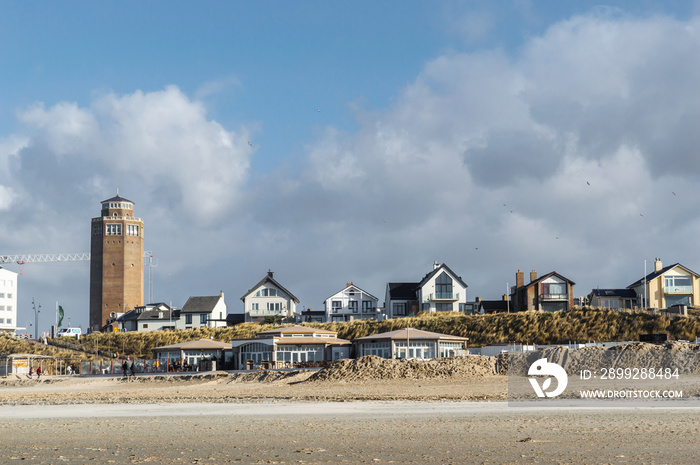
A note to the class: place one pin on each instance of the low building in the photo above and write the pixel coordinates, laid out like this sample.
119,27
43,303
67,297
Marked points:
411,343
193,352
289,346
614,299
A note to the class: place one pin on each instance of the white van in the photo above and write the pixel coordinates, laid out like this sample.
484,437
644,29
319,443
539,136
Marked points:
69,332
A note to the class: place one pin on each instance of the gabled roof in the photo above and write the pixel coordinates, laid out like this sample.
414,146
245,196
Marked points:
402,291
202,304
543,277
269,279
435,271
163,315
353,286
410,334
491,306
655,274
622,293
197,344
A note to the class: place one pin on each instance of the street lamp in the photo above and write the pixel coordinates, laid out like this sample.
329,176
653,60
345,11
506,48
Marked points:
37,310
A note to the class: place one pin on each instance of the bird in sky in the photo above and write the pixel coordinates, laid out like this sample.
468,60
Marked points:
673,193
588,183
250,143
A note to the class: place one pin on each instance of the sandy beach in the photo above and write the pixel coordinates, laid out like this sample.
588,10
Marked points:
263,418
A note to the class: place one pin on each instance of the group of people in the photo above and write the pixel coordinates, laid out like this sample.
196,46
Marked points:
129,368
38,372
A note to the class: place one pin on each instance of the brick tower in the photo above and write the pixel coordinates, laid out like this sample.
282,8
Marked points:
116,261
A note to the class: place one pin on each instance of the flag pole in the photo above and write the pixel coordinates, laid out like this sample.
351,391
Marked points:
55,328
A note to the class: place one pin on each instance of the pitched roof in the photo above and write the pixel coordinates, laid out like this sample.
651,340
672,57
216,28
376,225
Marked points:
164,315
402,291
410,334
624,293
543,277
655,274
436,270
270,279
491,306
356,287
197,344
296,329
202,304
117,198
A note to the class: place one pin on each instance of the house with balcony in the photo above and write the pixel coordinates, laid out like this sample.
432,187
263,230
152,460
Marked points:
441,290
350,303
667,287
549,293
411,343
268,298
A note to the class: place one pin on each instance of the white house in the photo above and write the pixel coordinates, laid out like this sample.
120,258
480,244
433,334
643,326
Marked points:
8,301
209,311
268,298
441,290
351,303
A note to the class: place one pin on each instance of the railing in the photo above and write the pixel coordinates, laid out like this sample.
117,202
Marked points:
678,289
444,296
266,312
554,297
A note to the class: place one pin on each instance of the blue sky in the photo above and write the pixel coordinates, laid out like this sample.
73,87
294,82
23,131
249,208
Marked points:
578,116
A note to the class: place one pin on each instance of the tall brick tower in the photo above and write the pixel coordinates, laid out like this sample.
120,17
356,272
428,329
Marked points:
116,261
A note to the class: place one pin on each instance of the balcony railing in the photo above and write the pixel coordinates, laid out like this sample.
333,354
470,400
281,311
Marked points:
444,296
266,312
554,297
678,289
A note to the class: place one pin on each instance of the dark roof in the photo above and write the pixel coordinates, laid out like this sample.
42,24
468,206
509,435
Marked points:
411,334
492,306
117,199
543,277
656,274
623,293
438,269
270,279
162,315
313,313
203,304
235,318
402,291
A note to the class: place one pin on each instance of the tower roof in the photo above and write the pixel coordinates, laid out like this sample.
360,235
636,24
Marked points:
117,199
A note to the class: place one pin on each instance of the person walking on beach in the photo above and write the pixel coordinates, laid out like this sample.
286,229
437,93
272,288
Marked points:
125,368
133,368
31,372
38,372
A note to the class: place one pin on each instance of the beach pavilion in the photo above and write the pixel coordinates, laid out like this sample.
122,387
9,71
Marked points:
411,343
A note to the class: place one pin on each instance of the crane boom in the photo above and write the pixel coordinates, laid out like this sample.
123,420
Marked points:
48,257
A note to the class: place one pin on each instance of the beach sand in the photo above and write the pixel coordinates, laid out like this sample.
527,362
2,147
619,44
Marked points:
220,418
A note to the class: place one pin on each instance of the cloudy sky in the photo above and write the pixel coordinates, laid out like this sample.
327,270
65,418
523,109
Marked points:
360,141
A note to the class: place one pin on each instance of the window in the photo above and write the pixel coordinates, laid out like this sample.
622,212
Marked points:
443,287
9,296
254,306
2,308
145,325
188,319
336,305
132,230
611,303
2,296
273,306
2,321
443,307
678,284
399,309
203,318
267,292
113,229
554,290
367,306
352,305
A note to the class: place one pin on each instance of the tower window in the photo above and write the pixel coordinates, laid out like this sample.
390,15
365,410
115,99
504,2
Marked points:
113,229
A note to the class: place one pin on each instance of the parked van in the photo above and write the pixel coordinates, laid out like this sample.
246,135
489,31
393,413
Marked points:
69,332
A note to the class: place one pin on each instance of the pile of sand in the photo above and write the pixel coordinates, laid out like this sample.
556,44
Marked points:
376,368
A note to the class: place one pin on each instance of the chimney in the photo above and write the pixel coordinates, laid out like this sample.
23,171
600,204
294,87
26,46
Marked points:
505,297
435,265
533,275
269,273
348,284
519,279
478,299
658,265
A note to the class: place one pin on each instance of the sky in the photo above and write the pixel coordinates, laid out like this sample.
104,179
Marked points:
361,141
